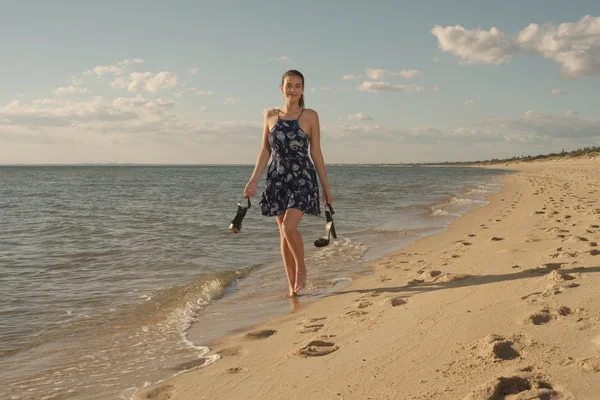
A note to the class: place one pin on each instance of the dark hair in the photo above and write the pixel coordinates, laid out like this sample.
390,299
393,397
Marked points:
293,72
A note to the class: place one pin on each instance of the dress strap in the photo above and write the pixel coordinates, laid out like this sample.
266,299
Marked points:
278,114
300,114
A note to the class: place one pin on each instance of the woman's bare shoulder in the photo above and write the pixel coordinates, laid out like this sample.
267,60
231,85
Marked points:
272,112
311,113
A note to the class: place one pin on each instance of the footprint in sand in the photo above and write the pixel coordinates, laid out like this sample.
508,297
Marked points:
364,304
594,252
496,348
229,351
496,239
311,328
546,315
397,301
262,334
521,385
160,393
317,348
234,370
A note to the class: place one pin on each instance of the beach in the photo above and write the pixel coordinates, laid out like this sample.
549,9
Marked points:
503,304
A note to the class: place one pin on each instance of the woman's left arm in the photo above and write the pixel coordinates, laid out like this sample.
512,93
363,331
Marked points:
317,155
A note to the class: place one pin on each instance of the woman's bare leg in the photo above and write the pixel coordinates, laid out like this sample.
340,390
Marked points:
288,259
291,219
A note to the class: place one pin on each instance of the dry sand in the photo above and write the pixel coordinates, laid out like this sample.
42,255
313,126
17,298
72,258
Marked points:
503,305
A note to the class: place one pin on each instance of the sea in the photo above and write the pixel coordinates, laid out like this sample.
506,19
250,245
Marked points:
116,277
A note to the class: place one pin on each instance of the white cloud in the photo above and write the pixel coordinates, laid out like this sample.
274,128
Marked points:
149,81
557,92
313,90
435,59
184,91
203,108
379,74
194,70
350,77
370,86
574,45
326,88
232,100
544,125
102,70
205,93
281,58
469,102
410,74
76,81
359,117
62,91
119,83
60,119
118,69
476,46
375,73
573,112
130,61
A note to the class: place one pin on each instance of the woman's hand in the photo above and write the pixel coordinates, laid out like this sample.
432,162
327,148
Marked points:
250,190
327,195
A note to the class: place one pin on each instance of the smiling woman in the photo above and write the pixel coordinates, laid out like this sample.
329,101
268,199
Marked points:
291,188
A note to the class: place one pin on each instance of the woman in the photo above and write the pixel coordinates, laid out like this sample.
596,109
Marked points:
292,189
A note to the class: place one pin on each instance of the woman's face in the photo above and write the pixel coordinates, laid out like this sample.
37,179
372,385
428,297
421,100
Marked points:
292,88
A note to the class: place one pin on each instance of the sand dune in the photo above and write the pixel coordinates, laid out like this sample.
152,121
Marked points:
504,305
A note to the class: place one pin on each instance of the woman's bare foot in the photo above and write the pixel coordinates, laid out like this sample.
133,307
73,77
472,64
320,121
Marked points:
300,279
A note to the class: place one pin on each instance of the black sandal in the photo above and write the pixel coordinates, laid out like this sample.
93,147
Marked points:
329,229
236,224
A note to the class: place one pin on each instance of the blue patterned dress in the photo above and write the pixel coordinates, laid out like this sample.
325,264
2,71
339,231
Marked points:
291,176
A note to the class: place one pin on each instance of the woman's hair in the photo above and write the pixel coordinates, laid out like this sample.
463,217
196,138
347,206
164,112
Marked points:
293,72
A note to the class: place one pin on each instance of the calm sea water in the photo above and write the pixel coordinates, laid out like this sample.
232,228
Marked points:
115,277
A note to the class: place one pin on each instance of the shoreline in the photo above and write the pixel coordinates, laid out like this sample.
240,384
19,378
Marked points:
439,290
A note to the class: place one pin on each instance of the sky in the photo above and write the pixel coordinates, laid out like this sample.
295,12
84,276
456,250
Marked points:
188,82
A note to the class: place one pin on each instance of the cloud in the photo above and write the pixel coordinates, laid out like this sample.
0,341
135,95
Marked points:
203,108
118,69
281,58
556,92
130,61
410,74
545,125
571,113
102,70
184,91
350,77
370,86
469,102
574,45
379,74
476,46
359,117
232,100
61,119
149,81
62,91
205,93
435,59
194,70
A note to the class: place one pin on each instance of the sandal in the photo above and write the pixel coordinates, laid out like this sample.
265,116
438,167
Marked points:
329,229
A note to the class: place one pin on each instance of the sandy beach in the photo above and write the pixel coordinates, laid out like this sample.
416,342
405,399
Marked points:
503,305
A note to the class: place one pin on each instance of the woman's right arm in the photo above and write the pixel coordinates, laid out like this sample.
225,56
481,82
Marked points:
263,158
